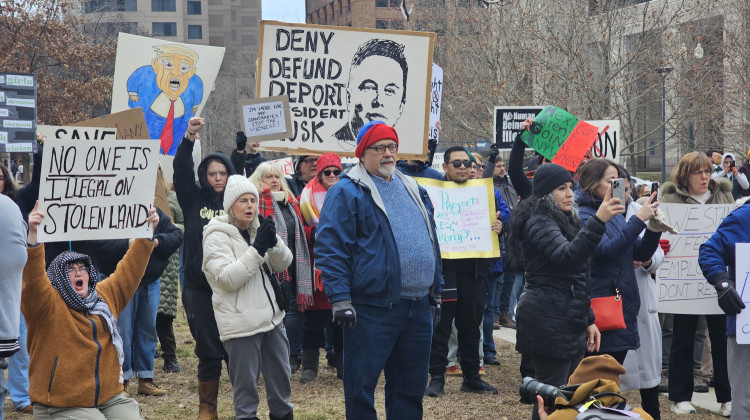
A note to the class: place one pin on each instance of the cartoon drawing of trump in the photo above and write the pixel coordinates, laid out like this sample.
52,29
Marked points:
169,93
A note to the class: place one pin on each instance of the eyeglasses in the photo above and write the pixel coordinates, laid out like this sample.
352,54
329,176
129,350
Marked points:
393,147
329,172
457,163
77,270
310,161
708,172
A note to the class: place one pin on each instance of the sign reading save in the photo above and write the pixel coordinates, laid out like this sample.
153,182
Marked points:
560,137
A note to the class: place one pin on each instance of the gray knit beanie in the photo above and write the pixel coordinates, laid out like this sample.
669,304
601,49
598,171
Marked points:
548,177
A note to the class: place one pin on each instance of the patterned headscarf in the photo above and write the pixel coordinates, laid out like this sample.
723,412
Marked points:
58,275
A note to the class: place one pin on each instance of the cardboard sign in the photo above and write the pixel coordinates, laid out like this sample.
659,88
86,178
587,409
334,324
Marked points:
608,142
339,78
169,81
266,118
742,283
436,97
97,189
508,121
129,124
17,112
560,137
680,283
463,216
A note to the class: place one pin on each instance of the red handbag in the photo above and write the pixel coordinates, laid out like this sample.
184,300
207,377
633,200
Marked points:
608,312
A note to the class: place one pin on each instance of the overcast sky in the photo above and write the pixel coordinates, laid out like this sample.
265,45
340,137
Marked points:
284,10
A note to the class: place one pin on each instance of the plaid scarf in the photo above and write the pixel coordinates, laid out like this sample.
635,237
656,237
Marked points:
58,275
267,206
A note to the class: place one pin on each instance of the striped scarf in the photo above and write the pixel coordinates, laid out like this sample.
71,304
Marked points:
58,275
311,201
267,206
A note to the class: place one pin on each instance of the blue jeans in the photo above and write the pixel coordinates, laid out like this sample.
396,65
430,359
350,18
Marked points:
518,284
504,290
18,372
395,340
490,310
138,330
294,322
3,391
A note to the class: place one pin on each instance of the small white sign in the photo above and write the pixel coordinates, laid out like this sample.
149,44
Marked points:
4,112
18,80
436,97
18,124
742,283
26,103
19,147
3,137
2,96
266,118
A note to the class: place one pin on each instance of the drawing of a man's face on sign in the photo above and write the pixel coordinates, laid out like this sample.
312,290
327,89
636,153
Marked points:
377,86
174,66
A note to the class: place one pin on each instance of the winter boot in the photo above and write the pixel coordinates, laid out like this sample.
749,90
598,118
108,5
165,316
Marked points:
208,393
476,385
505,320
339,362
146,386
170,364
436,386
294,361
310,361
290,415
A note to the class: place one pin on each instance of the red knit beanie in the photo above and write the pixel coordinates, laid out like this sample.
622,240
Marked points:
327,160
372,133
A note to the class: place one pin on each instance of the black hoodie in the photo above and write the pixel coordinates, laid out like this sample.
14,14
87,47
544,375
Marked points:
199,205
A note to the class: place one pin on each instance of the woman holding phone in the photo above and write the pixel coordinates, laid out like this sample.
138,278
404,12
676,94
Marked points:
612,263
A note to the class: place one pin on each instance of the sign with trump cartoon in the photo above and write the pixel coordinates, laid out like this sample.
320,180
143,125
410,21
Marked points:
170,81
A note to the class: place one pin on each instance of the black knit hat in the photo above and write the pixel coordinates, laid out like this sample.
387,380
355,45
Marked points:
548,177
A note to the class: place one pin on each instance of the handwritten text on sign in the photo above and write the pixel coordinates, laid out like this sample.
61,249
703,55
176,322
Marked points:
680,283
266,118
742,280
436,96
463,216
97,189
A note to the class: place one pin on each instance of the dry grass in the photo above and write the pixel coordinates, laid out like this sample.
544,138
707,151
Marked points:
323,399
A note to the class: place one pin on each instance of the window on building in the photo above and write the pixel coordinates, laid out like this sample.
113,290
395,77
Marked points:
381,24
349,5
388,3
341,7
164,28
195,32
194,7
93,6
163,6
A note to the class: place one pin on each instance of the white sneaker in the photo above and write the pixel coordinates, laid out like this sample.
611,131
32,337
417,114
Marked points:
726,409
683,407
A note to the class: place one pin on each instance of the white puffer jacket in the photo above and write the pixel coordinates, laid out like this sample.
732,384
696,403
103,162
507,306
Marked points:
243,299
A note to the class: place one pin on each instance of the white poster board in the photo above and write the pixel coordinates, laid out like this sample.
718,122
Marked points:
266,118
169,80
339,78
437,162
463,216
98,189
742,278
608,143
436,97
680,283
286,165
77,133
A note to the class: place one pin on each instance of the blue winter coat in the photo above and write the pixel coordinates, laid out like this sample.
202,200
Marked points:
717,253
355,248
612,267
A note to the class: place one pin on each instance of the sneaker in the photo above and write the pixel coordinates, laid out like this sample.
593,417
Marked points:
170,364
683,407
700,384
454,371
157,354
725,409
481,371
436,387
476,385
146,386
505,320
491,360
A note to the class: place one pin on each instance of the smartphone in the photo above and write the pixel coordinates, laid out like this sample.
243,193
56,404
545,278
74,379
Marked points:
732,164
618,189
654,187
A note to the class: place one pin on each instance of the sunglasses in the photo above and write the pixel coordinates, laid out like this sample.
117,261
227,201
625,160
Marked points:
457,163
329,172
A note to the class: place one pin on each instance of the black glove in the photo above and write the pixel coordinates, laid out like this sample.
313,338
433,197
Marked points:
265,237
436,311
241,140
729,301
344,314
493,152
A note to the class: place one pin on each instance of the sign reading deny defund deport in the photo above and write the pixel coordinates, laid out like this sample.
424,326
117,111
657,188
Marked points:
97,189
17,112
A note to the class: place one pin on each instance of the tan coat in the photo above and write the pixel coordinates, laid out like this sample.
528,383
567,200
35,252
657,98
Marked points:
721,193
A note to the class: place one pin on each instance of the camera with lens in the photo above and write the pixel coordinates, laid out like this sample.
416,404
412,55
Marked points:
530,388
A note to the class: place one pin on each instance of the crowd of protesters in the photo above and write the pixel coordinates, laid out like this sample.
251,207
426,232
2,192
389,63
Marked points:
270,269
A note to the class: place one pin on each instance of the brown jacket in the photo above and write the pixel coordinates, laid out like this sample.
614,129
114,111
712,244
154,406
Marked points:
721,193
73,362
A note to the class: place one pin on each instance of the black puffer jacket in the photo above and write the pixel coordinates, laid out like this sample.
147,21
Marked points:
555,309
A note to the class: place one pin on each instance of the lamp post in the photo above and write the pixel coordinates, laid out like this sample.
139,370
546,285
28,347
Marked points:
663,72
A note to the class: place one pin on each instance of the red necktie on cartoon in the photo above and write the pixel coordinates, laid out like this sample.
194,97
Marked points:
166,133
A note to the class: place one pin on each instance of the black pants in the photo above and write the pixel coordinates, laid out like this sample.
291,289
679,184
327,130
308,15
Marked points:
681,357
553,372
313,332
650,401
165,331
617,355
205,332
468,311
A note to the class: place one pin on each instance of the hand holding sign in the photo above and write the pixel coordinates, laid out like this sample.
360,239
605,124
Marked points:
497,225
35,219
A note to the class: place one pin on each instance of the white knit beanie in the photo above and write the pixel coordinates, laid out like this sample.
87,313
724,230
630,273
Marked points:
236,186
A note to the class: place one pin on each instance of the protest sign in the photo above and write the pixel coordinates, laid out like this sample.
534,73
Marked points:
742,278
463,216
508,121
436,97
266,118
608,143
128,125
680,283
97,189
286,165
339,78
560,137
437,162
169,81
77,133
17,112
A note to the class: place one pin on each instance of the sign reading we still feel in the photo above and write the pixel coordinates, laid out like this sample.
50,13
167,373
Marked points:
463,216
97,189
680,283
